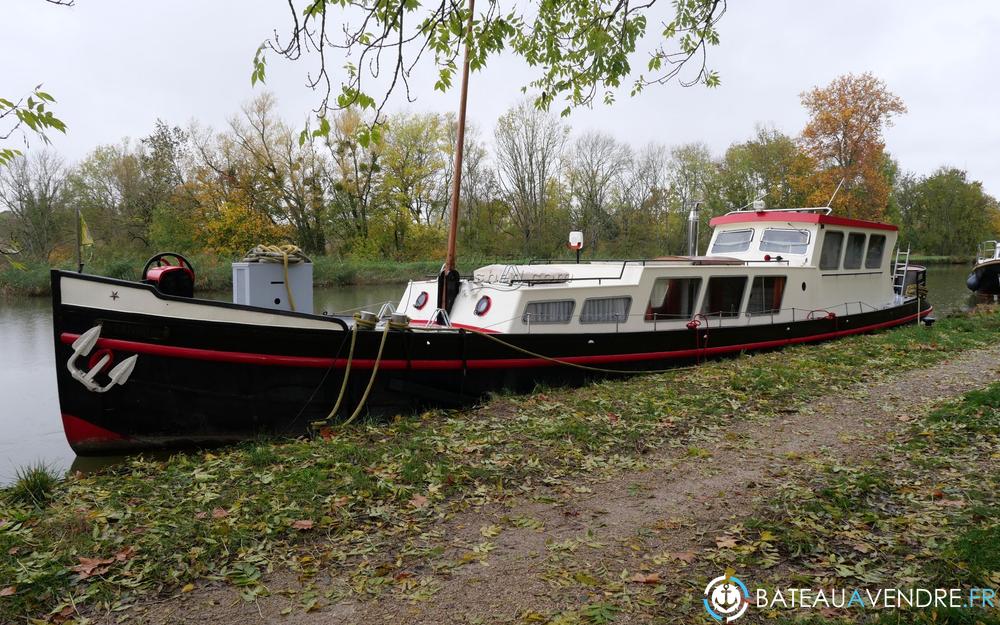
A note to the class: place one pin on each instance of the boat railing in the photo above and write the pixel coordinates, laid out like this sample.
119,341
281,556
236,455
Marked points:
825,210
988,250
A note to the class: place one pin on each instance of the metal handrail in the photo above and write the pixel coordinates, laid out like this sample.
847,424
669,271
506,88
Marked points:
826,210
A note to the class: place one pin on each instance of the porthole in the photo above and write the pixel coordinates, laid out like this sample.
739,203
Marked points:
421,301
483,305
803,286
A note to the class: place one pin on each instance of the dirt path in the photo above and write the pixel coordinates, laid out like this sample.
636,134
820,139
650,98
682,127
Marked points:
554,550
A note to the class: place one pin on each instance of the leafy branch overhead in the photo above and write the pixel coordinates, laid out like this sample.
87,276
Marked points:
579,50
29,112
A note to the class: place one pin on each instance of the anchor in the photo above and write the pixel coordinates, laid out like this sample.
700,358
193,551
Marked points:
730,598
81,347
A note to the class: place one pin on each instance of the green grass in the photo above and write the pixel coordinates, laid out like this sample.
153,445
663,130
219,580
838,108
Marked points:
898,520
33,486
371,488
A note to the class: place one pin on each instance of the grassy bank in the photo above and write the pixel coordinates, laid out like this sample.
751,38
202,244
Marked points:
215,273
924,514
354,498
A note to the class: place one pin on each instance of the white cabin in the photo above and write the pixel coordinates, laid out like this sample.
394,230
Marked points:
762,267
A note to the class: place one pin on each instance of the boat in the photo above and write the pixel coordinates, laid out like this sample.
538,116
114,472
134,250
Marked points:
985,276
146,364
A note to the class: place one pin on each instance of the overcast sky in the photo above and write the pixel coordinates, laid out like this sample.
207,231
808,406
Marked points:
116,66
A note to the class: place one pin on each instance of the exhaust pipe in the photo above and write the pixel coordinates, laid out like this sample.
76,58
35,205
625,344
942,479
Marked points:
693,228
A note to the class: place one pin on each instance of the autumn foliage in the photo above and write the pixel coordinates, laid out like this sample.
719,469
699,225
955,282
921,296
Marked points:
845,138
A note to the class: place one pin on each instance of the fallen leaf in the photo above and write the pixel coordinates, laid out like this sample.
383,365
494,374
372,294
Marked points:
725,542
302,524
61,616
418,501
952,503
8,591
326,433
339,502
687,557
220,513
91,566
125,554
490,531
651,578
187,588
200,515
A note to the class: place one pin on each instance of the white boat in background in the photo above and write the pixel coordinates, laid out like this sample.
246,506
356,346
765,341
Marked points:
985,276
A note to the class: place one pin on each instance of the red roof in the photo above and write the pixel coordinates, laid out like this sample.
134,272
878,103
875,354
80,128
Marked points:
798,217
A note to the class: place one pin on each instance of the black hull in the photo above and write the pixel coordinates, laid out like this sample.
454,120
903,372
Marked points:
985,278
208,383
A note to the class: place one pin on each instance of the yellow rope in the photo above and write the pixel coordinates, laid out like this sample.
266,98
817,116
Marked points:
360,322
343,385
371,380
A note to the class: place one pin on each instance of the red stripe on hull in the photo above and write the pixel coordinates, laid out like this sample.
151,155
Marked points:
277,360
80,432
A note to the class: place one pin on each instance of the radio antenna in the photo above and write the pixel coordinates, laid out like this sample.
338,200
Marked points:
835,191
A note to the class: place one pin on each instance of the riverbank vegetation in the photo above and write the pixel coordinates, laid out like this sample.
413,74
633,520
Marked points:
357,498
526,182
214,273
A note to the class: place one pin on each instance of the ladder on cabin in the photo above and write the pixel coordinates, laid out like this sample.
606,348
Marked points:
899,269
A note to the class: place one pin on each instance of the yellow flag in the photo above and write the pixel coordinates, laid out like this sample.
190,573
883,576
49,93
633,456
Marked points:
85,238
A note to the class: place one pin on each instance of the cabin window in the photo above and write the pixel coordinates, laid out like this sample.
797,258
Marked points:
876,247
765,295
673,298
829,258
784,241
724,295
728,241
548,312
855,250
606,310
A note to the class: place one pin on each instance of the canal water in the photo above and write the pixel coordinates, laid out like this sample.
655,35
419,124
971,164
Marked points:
30,426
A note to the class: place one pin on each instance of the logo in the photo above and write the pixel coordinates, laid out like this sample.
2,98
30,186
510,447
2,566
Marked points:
726,598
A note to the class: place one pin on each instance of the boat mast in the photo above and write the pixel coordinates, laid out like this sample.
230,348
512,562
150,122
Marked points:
448,280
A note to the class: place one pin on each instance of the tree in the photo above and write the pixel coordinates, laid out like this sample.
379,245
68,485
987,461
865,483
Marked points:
945,213
579,51
642,204
844,136
529,148
32,189
769,166
28,115
597,166
353,179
